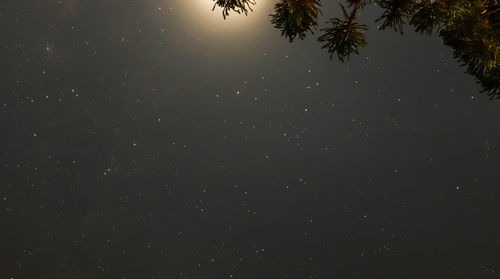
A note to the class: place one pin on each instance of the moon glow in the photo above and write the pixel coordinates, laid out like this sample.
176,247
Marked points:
202,15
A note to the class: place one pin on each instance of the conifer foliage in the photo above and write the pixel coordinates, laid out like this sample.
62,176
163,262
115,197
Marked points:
470,27
344,36
238,6
296,17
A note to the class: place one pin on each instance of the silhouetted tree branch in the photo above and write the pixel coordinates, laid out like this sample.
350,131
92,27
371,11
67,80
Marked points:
296,17
239,6
470,27
344,36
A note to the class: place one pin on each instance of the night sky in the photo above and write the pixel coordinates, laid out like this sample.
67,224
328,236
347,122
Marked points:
153,139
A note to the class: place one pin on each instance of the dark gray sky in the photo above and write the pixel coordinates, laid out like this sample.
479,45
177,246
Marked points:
152,139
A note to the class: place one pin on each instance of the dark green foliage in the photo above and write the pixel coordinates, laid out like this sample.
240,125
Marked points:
493,16
427,17
296,17
239,6
395,13
490,81
471,36
362,3
472,32
470,27
344,36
